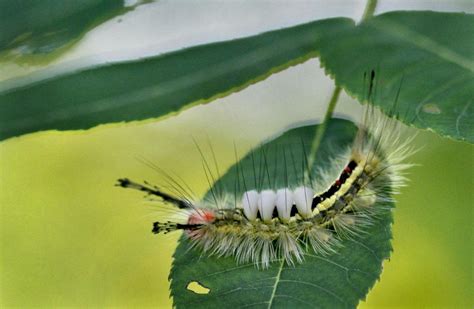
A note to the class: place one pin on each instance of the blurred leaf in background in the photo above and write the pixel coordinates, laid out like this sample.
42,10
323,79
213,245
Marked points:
30,27
437,75
159,85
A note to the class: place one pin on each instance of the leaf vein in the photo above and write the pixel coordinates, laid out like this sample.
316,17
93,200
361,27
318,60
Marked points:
297,299
425,43
318,287
277,280
462,114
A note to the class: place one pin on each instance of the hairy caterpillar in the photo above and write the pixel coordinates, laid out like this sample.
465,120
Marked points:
269,222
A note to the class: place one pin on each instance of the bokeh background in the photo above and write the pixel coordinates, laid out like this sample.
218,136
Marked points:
70,238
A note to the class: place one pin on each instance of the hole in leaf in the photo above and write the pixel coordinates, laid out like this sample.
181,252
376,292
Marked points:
197,288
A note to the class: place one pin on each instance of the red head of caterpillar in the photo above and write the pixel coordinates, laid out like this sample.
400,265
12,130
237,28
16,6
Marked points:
267,223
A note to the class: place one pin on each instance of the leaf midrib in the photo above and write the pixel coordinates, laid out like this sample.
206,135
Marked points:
277,280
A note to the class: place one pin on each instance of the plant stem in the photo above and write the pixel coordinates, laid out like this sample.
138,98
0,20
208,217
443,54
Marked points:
322,127
369,9
368,12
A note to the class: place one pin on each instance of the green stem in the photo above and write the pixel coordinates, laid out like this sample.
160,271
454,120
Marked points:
369,9
368,12
322,127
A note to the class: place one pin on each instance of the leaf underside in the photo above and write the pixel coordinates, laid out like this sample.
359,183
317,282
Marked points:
153,87
429,55
338,281
433,53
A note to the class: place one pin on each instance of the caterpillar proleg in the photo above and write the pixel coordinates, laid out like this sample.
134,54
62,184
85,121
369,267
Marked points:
271,221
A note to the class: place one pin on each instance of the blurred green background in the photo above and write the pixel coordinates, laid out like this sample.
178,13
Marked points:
70,238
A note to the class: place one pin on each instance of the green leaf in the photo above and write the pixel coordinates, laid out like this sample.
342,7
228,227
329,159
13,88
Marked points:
432,52
435,62
339,280
37,27
160,85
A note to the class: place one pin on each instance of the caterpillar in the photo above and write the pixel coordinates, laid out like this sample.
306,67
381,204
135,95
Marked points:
268,223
